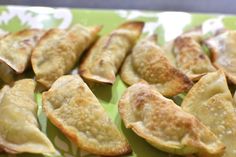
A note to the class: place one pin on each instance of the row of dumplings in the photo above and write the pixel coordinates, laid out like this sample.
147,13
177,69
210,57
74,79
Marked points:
51,53
203,125
55,52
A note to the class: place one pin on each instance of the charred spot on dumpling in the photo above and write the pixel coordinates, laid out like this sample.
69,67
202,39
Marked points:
201,56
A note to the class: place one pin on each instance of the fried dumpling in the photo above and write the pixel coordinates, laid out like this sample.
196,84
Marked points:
19,128
168,47
211,102
15,52
190,57
106,56
59,50
147,62
73,108
223,53
16,48
164,124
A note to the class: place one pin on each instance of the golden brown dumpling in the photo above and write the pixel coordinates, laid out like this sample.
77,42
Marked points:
147,62
106,56
164,124
15,52
211,102
223,49
59,50
19,128
16,48
190,57
168,47
74,109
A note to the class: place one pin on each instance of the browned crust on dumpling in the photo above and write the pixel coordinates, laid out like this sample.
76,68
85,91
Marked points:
84,72
29,38
72,131
59,50
165,125
190,58
74,138
147,62
133,25
130,32
34,57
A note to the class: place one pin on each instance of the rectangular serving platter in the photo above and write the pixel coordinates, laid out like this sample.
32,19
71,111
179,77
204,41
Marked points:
167,25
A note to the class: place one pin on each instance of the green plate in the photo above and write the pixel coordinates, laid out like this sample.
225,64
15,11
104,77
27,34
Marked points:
167,25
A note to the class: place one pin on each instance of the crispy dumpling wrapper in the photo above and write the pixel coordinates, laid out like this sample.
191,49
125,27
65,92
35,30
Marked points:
19,128
190,57
211,102
15,52
59,50
195,33
147,62
168,47
223,53
187,54
74,109
16,48
164,124
106,56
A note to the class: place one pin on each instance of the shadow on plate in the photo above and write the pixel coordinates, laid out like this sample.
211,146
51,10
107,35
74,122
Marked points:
102,91
60,142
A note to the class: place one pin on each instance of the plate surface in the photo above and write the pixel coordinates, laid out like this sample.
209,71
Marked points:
167,25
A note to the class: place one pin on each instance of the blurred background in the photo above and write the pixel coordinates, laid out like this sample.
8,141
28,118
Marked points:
205,6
